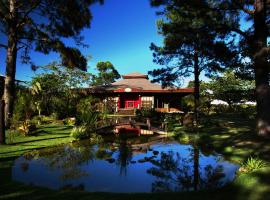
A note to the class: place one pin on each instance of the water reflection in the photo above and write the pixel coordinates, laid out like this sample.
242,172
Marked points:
176,173
124,164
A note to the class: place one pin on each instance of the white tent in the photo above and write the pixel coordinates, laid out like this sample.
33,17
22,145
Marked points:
218,102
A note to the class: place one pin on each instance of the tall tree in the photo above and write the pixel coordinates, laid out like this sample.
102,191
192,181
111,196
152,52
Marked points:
40,25
190,45
249,22
106,74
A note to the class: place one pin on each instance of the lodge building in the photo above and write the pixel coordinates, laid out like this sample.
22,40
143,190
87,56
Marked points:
135,91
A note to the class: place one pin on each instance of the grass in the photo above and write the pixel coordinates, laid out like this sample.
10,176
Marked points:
45,136
230,135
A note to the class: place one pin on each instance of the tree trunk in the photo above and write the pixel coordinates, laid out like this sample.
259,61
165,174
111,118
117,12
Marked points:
2,122
261,69
196,87
9,88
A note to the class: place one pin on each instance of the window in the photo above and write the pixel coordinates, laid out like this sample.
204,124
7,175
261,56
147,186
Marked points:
147,102
130,104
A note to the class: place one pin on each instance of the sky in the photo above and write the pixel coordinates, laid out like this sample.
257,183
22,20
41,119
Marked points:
121,32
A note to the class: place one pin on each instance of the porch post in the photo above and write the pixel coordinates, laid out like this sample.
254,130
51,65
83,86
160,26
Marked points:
140,102
119,102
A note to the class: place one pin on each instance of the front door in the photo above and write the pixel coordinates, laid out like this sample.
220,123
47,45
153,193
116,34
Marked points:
129,104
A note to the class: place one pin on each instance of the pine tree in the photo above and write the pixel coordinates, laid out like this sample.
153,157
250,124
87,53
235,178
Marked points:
190,44
251,42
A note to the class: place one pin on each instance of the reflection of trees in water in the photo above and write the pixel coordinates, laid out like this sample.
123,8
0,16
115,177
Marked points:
66,159
174,173
124,154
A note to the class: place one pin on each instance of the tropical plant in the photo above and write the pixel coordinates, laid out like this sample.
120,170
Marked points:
87,113
71,121
79,133
252,164
27,128
95,138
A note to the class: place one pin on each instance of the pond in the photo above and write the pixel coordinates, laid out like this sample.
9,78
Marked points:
125,164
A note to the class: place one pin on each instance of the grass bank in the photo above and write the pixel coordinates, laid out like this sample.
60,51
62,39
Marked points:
45,136
231,135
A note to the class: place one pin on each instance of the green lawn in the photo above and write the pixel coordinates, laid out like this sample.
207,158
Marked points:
46,136
230,135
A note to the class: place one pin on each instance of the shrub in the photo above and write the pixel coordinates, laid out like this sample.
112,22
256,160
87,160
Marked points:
149,113
69,121
252,164
87,113
79,133
95,138
184,138
27,128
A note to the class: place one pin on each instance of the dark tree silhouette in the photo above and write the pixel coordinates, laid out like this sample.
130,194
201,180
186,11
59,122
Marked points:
190,45
41,25
251,41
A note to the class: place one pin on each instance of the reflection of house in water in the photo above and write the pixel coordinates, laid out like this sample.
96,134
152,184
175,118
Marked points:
135,91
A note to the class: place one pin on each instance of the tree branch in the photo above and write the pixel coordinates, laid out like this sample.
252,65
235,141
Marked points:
250,12
28,12
3,46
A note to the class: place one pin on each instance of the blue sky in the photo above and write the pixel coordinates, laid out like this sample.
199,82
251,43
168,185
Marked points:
121,32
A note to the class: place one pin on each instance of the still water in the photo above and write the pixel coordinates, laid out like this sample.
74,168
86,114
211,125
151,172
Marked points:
124,164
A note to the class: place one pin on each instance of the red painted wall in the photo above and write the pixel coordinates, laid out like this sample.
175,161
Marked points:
134,99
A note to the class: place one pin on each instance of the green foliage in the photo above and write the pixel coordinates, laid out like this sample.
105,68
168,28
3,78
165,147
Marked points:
95,138
252,164
46,35
87,113
146,112
79,133
27,128
187,29
170,122
23,108
56,92
106,74
232,89
71,121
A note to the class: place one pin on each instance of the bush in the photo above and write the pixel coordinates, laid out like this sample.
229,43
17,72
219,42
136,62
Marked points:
252,164
143,113
95,138
27,128
23,106
69,121
79,133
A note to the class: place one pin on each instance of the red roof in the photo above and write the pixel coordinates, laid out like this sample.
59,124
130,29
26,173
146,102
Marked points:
137,82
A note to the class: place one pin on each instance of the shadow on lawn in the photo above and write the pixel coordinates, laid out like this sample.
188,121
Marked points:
234,137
